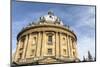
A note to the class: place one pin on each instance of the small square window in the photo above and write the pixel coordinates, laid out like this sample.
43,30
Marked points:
49,51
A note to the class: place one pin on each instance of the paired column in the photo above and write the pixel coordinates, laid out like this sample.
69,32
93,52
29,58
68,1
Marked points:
17,51
57,44
38,45
76,54
25,46
44,44
60,44
71,49
28,46
69,46
68,49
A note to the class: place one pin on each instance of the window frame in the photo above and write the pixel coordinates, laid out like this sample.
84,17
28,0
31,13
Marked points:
49,51
50,39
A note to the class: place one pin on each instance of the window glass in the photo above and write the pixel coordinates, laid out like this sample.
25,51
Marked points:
49,39
49,51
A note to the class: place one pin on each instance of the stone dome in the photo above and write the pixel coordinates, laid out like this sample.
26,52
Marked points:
50,18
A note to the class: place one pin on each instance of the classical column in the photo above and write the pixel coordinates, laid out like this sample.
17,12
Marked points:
71,52
28,46
68,40
17,51
73,47
60,44
76,54
44,44
57,44
67,46
25,46
41,43
38,45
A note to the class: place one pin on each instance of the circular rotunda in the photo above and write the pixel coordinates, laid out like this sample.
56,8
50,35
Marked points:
46,41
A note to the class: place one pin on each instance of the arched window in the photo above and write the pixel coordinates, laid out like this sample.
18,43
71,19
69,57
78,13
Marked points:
22,43
20,55
34,41
64,51
32,52
64,41
73,53
50,38
73,43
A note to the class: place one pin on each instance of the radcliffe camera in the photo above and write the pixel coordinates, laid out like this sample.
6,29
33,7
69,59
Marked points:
51,33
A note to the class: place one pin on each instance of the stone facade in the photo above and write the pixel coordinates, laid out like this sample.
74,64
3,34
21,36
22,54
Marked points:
46,42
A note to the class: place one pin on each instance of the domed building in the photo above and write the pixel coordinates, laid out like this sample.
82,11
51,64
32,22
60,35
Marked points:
45,42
